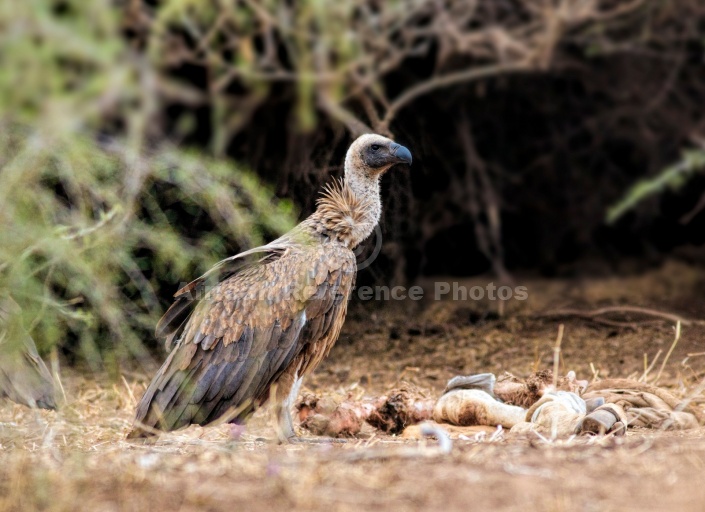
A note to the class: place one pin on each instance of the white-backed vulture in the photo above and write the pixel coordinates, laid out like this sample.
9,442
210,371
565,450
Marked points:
261,320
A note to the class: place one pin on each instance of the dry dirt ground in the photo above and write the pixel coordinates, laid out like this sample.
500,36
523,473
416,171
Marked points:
77,458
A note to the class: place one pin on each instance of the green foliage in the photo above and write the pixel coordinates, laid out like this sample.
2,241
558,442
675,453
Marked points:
673,177
314,44
97,229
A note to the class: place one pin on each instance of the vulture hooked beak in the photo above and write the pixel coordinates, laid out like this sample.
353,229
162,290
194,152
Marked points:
400,153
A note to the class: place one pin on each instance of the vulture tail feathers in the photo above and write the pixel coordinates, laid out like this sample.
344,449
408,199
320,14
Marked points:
160,409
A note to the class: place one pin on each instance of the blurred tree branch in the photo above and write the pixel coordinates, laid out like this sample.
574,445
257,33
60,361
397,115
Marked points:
345,54
95,207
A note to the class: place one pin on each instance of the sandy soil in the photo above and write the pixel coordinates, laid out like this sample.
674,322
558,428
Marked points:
78,458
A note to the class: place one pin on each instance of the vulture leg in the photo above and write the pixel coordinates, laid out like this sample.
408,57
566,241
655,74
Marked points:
285,422
285,425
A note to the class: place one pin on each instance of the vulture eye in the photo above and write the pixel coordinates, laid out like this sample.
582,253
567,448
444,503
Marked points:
375,147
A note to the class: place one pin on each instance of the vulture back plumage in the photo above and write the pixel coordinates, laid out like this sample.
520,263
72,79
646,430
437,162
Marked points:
259,321
24,378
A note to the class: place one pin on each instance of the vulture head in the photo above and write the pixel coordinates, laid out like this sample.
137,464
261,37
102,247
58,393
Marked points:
373,155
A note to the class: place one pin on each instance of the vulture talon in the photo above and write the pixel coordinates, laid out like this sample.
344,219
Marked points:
264,318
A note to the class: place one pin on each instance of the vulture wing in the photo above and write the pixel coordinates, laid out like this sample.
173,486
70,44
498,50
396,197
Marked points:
265,320
171,325
24,378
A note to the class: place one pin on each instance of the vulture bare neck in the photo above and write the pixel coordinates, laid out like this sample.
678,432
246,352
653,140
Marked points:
347,210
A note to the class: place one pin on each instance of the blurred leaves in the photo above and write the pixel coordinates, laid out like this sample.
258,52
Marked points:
673,177
94,215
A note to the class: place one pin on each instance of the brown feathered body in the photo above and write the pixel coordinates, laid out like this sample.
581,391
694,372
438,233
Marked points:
262,322
268,316
24,378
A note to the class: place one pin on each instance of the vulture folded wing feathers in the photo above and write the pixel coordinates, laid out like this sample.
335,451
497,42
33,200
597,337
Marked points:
24,378
259,321
171,324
